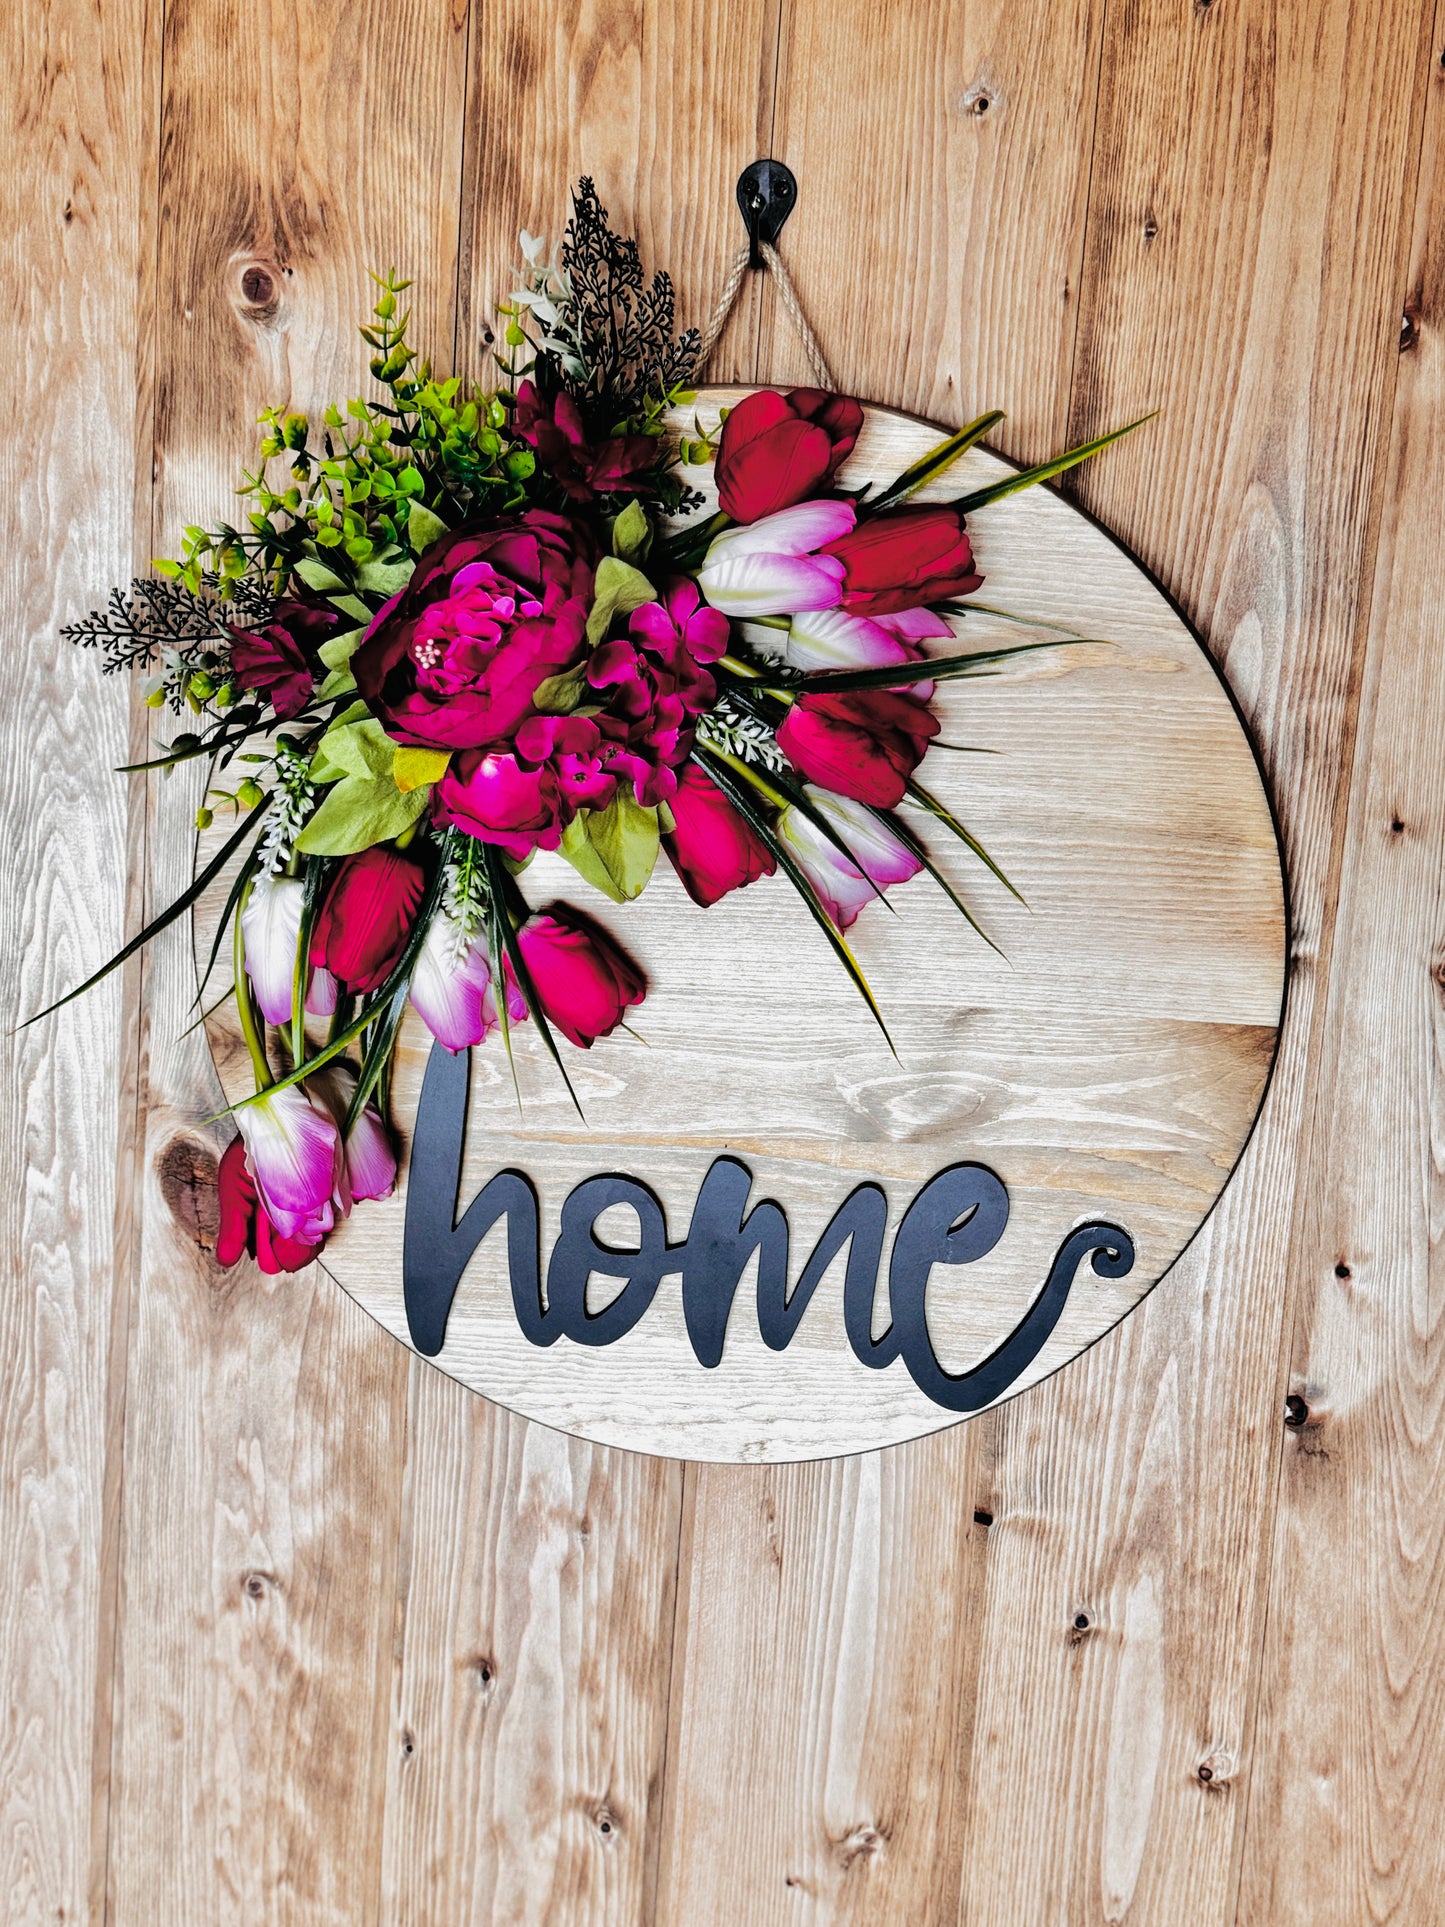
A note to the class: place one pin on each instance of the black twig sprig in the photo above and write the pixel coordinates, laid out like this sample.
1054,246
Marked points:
151,616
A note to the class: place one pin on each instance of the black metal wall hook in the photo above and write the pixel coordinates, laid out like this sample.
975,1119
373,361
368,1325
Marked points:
767,195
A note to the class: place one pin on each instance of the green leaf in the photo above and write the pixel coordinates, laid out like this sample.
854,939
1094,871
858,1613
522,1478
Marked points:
559,695
898,675
353,606
340,649
353,747
385,578
317,576
497,881
614,849
632,534
1045,471
340,682
932,464
619,590
423,528
360,811
414,769
928,801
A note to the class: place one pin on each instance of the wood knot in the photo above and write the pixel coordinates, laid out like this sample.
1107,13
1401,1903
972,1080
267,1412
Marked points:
1081,1625
1215,1771
256,1584
1410,324
186,1168
862,1842
605,1821
483,1669
978,100
1296,1412
258,289
982,1517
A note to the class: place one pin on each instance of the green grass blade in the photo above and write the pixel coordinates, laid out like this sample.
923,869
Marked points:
914,843
778,787
199,884
744,801
930,802
497,881
900,675
1045,472
933,463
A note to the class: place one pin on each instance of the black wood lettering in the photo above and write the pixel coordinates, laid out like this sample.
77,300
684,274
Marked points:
435,1248
579,1251
931,1234
720,1240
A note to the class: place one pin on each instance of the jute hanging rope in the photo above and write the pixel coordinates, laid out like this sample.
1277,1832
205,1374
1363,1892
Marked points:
787,294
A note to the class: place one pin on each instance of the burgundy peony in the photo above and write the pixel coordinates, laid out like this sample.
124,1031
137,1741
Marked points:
491,612
245,1227
279,660
862,743
713,848
553,425
584,981
367,916
905,558
776,450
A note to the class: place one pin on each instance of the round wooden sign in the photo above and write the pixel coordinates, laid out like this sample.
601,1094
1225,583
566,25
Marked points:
946,1226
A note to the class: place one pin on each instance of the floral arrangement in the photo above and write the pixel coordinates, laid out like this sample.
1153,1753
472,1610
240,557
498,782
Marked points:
469,624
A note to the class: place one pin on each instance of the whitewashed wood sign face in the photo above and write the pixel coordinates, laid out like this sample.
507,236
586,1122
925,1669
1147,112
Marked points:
945,1228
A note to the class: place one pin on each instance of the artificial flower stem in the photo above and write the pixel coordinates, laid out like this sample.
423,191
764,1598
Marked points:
735,666
245,1009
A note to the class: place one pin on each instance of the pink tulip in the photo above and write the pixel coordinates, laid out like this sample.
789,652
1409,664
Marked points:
370,1156
771,567
293,1151
453,990
584,981
844,887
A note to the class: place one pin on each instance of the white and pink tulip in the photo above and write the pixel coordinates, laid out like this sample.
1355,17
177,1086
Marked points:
771,567
833,639
369,1152
295,1157
844,888
453,989
270,932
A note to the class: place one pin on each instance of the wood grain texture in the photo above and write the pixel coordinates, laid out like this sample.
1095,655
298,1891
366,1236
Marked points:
265,1424
1239,179
874,1693
73,201
1343,1830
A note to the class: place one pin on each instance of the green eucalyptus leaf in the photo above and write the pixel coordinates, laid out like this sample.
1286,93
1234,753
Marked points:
423,528
632,534
317,576
385,578
619,590
340,682
340,649
360,811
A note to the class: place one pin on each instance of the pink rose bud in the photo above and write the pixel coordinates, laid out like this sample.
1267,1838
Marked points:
712,848
584,981
843,887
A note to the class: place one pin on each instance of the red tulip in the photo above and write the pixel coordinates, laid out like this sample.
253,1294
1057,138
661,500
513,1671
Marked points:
712,847
780,449
862,743
584,982
367,916
905,558
245,1227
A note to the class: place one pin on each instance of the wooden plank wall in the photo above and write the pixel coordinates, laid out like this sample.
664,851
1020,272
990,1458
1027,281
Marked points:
292,1628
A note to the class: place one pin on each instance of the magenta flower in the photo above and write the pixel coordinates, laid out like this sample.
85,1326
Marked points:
369,1152
453,990
498,799
294,1155
244,1226
584,980
844,887
772,568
